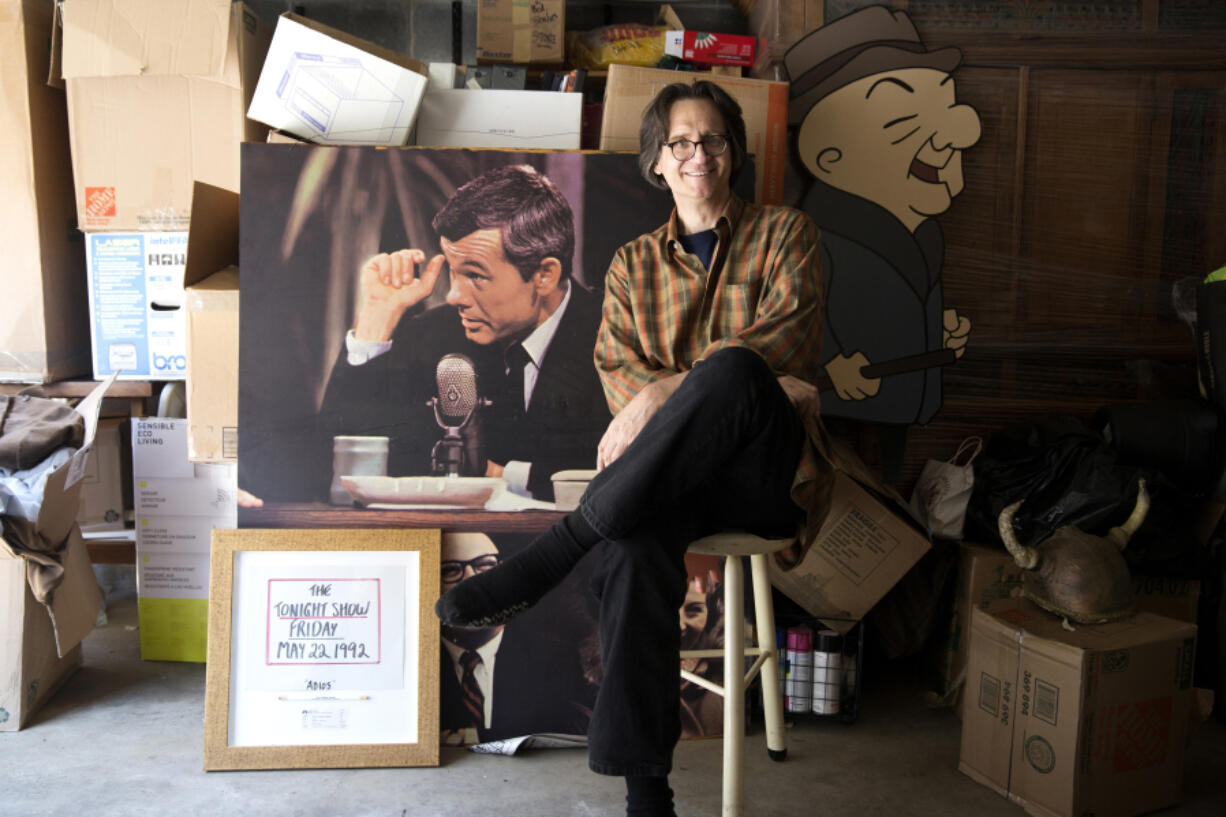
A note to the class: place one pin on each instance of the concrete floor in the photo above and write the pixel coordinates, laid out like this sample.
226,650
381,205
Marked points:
124,737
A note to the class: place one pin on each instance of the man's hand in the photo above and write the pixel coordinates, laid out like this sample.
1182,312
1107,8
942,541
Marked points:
631,419
957,331
246,499
390,285
845,376
803,396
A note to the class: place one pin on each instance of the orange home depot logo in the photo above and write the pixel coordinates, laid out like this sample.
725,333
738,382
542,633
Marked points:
100,202
1142,734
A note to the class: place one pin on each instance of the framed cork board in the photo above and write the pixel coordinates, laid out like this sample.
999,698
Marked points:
323,649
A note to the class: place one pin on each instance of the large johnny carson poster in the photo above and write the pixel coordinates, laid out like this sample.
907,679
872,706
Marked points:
416,332
441,303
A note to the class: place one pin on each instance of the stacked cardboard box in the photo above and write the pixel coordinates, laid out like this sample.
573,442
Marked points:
40,642
328,87
1092,719
157,99
988,573
764,104
44,333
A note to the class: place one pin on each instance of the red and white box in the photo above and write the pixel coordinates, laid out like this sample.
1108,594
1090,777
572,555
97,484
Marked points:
710,48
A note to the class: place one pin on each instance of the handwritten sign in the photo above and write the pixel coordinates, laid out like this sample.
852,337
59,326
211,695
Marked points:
324,629
323,621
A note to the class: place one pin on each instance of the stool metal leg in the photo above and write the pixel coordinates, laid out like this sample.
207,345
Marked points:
772,697
734,688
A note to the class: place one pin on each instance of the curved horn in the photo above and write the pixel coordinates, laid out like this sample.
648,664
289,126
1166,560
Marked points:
1120,535
1026,558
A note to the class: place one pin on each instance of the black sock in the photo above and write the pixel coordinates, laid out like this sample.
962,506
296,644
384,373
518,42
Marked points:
648,797
498,595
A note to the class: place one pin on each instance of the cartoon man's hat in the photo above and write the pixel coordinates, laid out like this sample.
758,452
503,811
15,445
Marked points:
866,42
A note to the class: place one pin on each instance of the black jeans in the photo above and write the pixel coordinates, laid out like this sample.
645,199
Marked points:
719,454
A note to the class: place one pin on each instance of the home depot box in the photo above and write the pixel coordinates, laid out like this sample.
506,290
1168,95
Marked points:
989,573
866,542
44,331
1066,723
710,48
157,95
40,641
328,87
521,30
137,320
764,105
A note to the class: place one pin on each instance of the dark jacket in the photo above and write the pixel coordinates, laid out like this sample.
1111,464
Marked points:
388,396
883,298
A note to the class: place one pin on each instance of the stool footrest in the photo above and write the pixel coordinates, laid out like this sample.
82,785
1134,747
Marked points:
702,682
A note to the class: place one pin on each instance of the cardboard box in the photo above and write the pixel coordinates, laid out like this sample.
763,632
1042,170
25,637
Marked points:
764,105
1174,598
40,643
212,326
44,334
781,23
137,319
500,119
157,95
709,48
521,30
212,368
178,505
985,574
1065,724
102,486
328,87
865,544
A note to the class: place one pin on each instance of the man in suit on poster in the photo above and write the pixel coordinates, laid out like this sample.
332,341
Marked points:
493,683
513,309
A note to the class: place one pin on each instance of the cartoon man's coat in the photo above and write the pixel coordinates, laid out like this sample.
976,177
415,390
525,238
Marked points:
882,134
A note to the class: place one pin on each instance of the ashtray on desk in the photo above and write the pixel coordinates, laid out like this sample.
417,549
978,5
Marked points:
568,487
424,492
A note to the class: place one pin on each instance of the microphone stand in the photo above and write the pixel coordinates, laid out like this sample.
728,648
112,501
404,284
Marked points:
447,456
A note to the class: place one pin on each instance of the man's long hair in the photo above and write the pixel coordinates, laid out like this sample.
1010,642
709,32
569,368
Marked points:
656,121
535,219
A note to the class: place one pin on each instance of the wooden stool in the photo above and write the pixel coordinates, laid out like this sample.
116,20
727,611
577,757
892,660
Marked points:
734,546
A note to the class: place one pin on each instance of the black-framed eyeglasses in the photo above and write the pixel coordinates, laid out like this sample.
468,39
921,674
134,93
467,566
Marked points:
452,570
713,144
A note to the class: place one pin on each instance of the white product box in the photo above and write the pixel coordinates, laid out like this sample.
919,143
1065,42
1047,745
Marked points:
178,506
136,304
326,86
489,118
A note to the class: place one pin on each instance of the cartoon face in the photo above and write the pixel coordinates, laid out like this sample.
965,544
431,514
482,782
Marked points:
493,299
702,176
894,138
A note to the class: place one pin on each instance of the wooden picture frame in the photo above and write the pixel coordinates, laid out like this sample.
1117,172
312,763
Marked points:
323,649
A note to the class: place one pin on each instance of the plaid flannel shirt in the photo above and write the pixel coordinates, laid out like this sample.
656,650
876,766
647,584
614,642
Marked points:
664,312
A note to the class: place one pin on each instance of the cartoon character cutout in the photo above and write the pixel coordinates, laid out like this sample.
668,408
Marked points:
882,133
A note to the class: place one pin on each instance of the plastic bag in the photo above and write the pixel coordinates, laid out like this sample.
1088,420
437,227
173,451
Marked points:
624,43
1067,474
943,490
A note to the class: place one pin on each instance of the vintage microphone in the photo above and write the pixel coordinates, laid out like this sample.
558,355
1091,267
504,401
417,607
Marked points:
454,408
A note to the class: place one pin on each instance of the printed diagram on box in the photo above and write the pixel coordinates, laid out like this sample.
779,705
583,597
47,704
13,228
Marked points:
321,90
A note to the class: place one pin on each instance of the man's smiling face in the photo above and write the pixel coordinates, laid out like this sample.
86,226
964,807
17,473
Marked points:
894,138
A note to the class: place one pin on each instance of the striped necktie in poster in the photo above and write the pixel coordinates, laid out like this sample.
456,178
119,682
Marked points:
470,690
